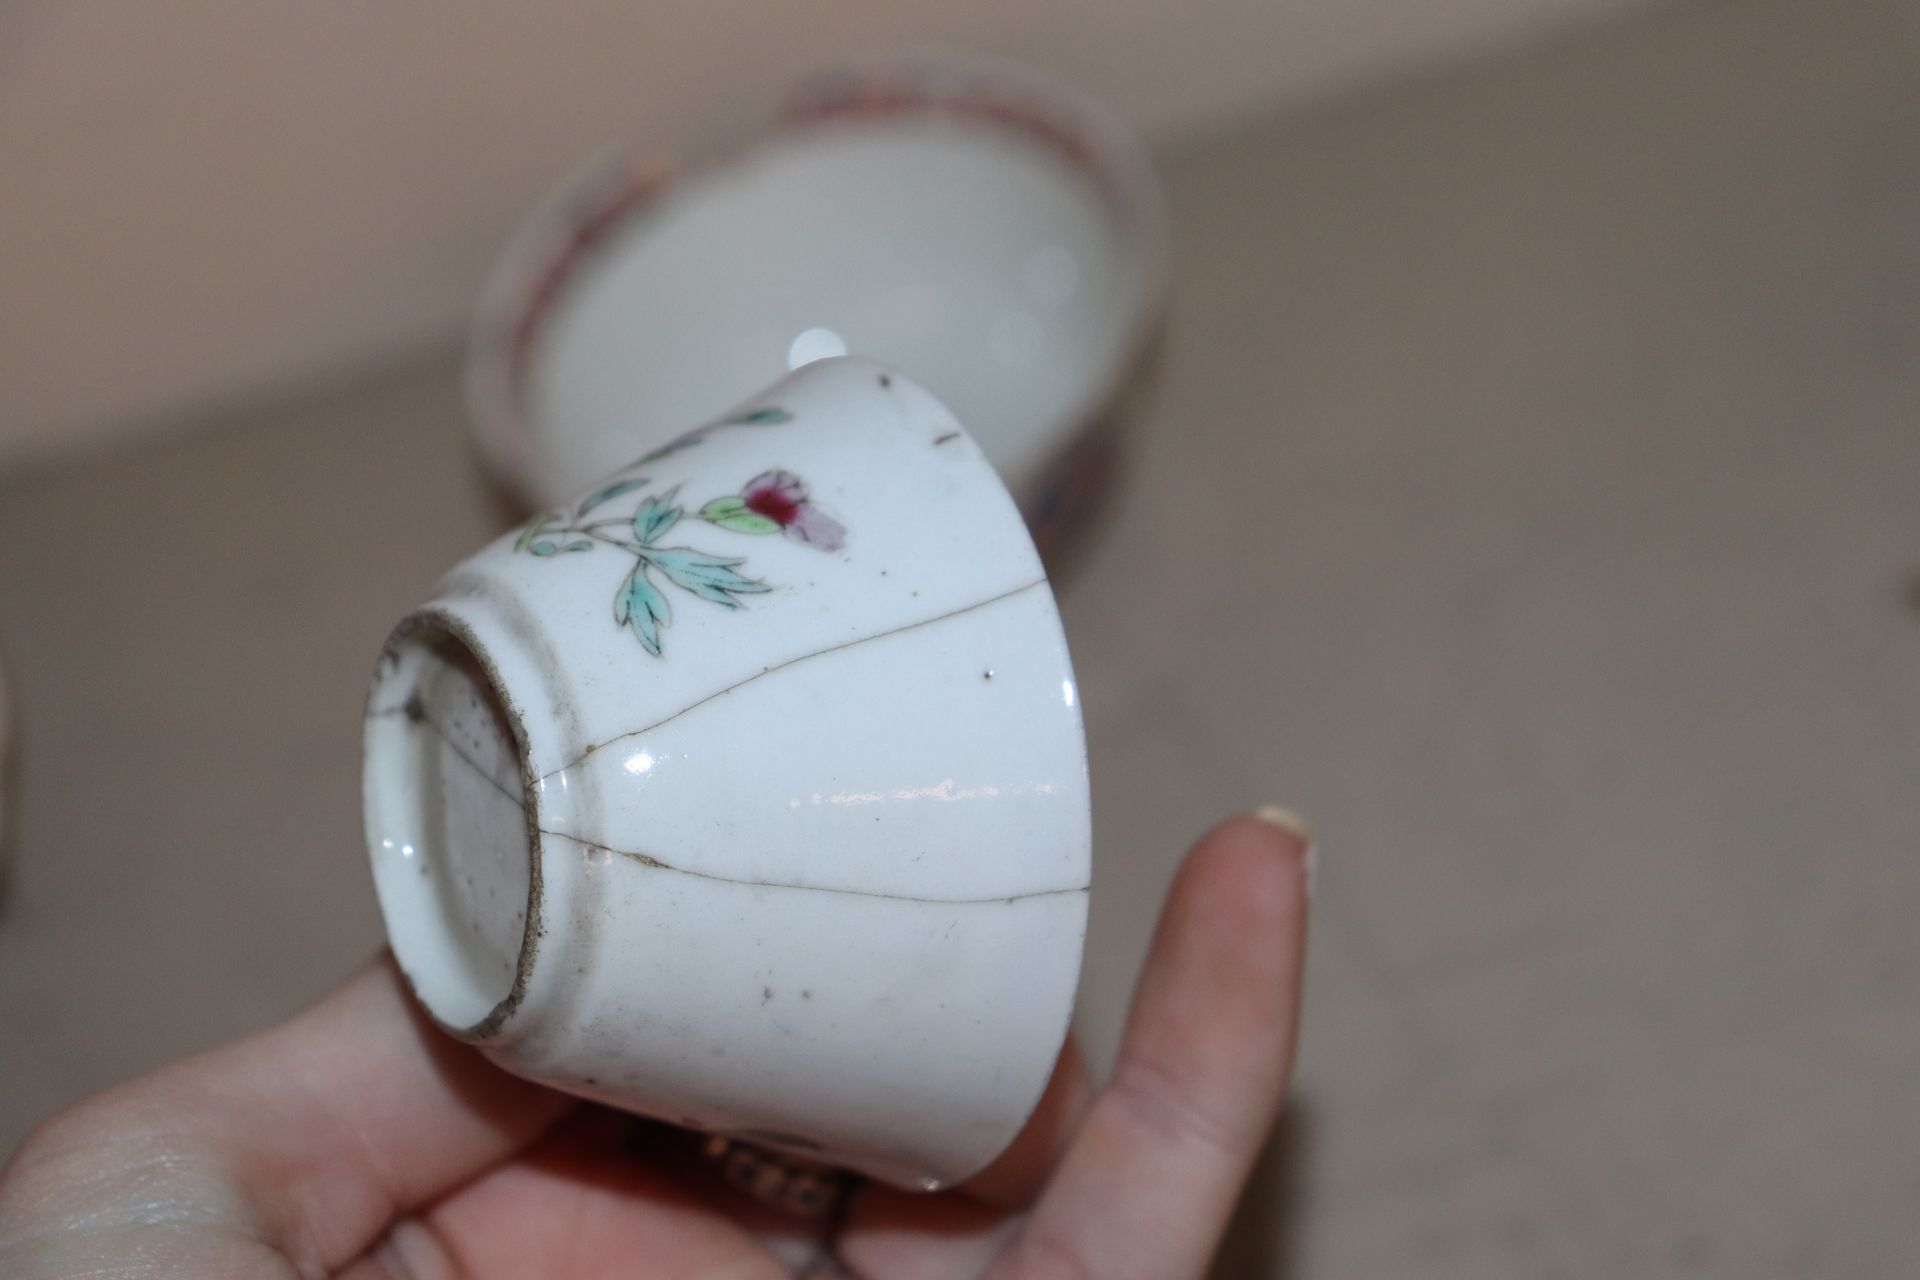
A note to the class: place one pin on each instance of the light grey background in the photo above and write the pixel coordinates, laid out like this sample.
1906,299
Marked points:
1531,501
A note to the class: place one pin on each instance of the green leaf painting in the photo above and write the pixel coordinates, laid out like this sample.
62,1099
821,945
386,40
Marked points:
765,416
655,517
773,502
609,493
709,577
641,606
733,513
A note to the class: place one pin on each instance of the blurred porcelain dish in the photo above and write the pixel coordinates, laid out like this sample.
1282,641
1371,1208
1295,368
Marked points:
985,231
747,789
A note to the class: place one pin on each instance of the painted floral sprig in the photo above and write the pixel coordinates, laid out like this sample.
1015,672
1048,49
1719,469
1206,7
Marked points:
772,502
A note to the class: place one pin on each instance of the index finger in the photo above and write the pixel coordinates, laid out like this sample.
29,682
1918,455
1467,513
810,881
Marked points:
1153,1175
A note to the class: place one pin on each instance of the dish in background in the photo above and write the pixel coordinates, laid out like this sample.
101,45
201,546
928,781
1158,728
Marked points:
987,231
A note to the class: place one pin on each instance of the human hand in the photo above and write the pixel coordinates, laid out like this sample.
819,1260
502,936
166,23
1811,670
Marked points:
357,1141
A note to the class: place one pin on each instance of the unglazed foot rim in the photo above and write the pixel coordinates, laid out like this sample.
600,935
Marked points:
470,980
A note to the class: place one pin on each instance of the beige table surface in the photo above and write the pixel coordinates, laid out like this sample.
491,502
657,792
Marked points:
1534,500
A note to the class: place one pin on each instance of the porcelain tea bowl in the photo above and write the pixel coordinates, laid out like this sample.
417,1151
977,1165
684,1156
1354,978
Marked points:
748,789
989,232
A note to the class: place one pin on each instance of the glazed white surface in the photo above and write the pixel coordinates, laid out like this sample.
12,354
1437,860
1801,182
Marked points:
819,867
929,700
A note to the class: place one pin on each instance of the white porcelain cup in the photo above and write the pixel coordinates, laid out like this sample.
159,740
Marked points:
748,790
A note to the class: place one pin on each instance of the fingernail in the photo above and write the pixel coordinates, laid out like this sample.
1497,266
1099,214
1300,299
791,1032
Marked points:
1292,823
1286,820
